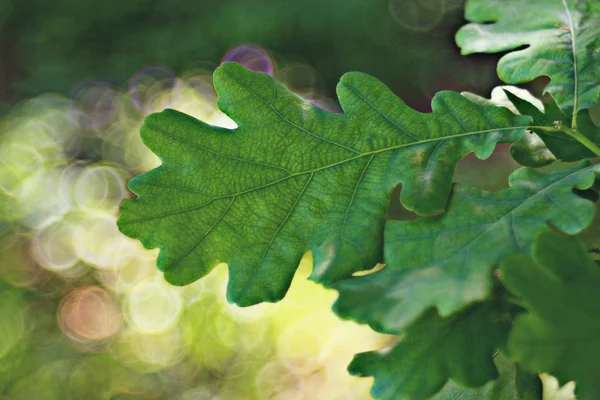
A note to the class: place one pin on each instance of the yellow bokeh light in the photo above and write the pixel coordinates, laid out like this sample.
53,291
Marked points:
114,303
153,306
52,245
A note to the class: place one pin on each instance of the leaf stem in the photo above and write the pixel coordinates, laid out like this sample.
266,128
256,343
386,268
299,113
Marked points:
581,139
544,128
571,132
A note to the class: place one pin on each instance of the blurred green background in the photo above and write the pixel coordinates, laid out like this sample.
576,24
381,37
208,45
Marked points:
84,313
409,44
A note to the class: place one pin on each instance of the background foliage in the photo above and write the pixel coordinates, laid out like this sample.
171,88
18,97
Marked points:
409,45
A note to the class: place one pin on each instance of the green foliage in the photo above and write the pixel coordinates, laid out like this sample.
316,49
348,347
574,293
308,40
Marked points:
513,383
292,178
563,146
540,147
290,164
447,261
530,151
559,288
51,46
562,38
435,349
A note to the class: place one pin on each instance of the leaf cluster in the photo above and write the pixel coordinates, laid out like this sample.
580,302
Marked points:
483,289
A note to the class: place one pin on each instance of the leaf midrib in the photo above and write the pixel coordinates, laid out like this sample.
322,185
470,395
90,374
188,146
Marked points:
575,68
312,171
489,226
511,214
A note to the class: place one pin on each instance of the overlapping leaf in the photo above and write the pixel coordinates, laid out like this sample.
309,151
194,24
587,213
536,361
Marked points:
561,145
447,261
562,39
513,383
559,334
530,151
435,349
541,147
499,98
293,178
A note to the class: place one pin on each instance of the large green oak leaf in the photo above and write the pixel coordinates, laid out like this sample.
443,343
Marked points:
562,39
293,178
447,261
559,333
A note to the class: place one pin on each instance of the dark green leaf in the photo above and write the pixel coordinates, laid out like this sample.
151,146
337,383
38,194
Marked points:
436,349
563,146
559,334
512,384
447,261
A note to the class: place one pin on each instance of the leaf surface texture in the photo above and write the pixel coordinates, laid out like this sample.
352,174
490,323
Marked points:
293,178
447,261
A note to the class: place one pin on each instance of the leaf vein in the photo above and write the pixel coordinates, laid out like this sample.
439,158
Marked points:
354,195
184,255
285,220
363,98
197,146
271,106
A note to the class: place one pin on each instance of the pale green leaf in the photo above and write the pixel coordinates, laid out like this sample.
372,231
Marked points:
562,39
540,147
554,391
499,98
531,151
561,145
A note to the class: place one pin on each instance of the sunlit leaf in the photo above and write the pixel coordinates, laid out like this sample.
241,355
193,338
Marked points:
293,178
530,151
541,147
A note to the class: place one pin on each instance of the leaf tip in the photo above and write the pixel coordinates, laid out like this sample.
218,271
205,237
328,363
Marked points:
228,66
